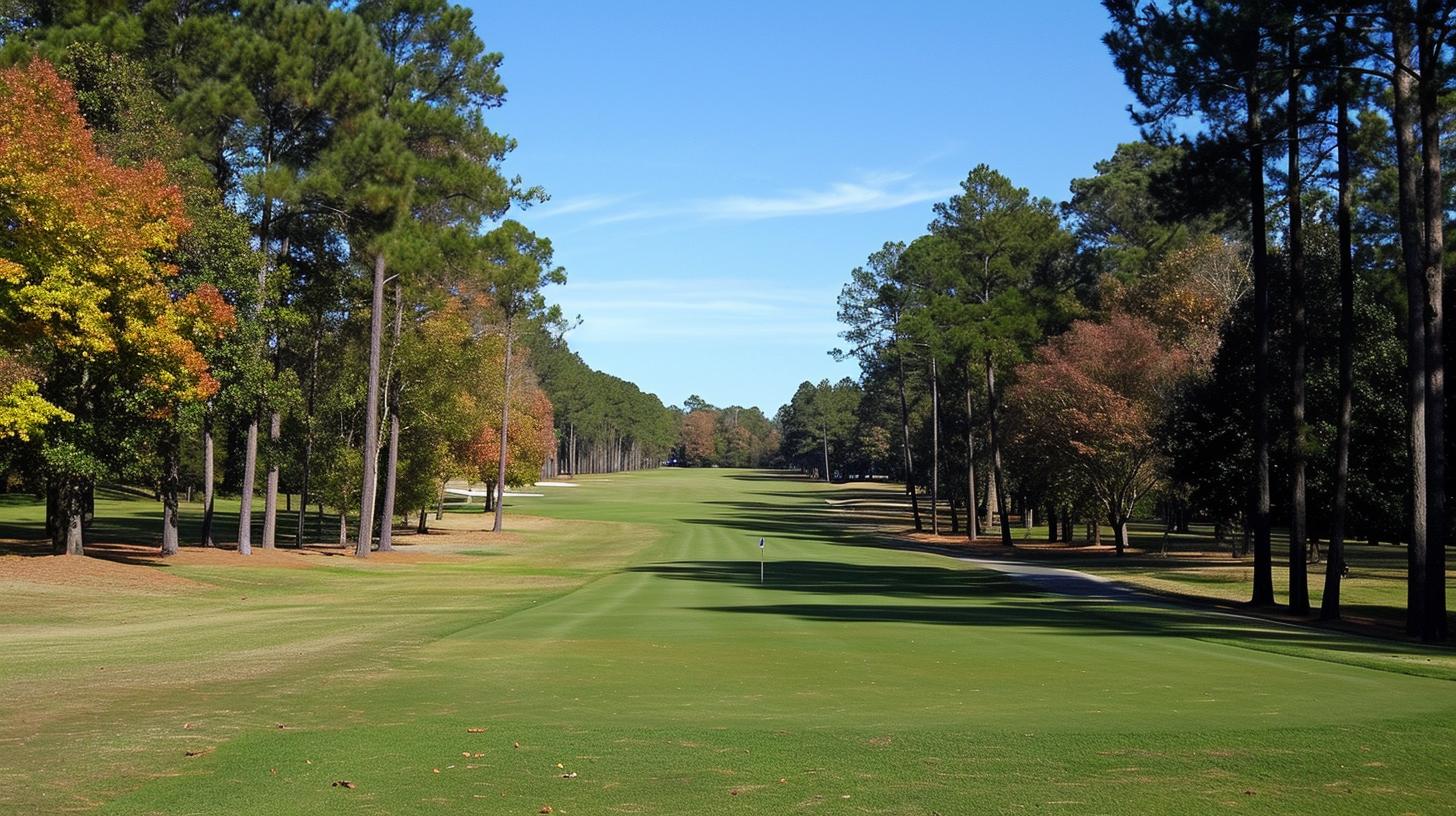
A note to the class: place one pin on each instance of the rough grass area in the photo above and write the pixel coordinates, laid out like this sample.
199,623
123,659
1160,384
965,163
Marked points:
616,653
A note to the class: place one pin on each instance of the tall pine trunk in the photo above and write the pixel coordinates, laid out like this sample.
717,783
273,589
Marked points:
371,414
993,403
308,438
392,387
500,480
1413,256
826,454
250,474
905,441
270,496
971,520
990,517
934,448
250,455
208,489
1433,605
1259,233
1298,564
386,521
1335,569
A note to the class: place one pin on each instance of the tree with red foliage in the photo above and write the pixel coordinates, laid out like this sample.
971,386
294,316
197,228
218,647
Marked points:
1086,409
699,435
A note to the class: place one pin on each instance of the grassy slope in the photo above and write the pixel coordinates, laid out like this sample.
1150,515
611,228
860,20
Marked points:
857,680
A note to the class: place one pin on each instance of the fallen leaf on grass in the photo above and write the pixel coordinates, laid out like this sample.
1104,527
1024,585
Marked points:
516,744
280,726
437,770
344,783
188,726
476,730
569,775
198,753
546,809
559,765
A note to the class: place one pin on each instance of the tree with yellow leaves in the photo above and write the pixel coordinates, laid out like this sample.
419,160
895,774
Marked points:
91,339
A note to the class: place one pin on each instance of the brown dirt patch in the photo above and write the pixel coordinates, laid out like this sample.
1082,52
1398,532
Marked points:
142,567
87,571
134,566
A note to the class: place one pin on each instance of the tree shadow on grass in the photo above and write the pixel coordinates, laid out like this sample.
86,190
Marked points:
980,598
772,476
129,516
796,520
838,578
872,517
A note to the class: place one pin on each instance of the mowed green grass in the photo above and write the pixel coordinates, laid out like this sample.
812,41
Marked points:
630,643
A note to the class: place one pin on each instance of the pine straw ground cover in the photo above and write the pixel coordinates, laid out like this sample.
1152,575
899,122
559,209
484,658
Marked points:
616,653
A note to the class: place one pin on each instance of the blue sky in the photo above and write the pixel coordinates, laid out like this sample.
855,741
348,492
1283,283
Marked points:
716,170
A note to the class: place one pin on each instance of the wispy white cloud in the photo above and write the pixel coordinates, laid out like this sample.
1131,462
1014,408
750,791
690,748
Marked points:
578,204
870,192
677,291
614,330
697,309
886,192
635,214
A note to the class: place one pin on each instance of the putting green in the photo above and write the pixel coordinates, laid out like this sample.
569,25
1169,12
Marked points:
855,679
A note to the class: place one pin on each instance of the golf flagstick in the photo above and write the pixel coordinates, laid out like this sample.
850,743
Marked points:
760,560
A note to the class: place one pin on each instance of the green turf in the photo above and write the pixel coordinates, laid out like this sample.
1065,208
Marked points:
635,647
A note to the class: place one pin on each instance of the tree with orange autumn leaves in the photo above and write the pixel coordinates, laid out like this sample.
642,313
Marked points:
1086,411
92,338
530,442
532,437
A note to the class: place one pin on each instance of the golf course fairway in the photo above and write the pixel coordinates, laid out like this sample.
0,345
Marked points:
617,653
